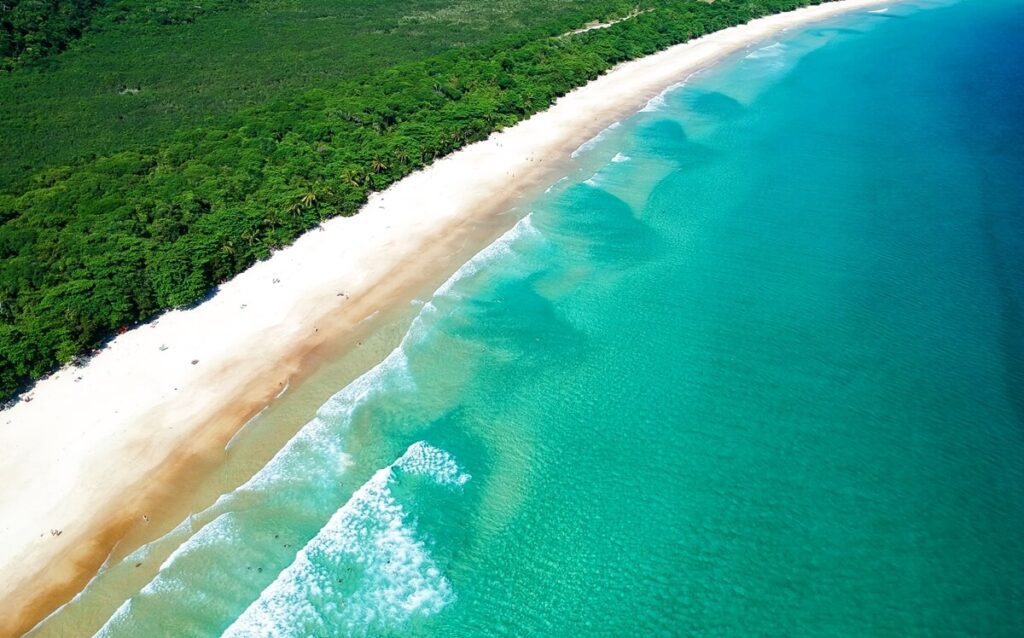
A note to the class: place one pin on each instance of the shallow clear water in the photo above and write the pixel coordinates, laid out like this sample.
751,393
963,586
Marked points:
755,368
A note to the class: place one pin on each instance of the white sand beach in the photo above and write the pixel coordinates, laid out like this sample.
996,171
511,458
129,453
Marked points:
96,446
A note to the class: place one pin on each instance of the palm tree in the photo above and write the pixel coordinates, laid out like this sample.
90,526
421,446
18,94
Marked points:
378,165
352,177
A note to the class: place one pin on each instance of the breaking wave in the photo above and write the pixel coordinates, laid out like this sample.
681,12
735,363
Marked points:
367,570
294,486
658,101
594,141
770,51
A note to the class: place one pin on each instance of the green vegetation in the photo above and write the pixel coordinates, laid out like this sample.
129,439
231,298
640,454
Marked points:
111,240
33,29
145,69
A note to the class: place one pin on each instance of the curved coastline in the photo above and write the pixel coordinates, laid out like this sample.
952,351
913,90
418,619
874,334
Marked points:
99,447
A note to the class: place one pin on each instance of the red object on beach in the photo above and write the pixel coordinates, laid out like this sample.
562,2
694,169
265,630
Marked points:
122,329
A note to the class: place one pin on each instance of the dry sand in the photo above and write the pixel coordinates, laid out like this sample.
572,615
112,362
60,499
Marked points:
98,447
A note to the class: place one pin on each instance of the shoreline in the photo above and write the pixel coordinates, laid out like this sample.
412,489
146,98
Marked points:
152,412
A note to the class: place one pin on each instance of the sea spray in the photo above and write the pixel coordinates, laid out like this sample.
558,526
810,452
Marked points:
296,482
366,571
503,247
774,50
658,102
594,141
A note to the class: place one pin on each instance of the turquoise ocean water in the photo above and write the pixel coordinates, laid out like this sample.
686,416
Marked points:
754,368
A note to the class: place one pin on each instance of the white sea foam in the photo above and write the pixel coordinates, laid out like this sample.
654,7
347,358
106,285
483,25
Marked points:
620,158
500,247
396,577
122,613
322,437
107,564
217,531
550,188
770,51
658,101
366,571
319,447
119,624
882,10
142,554
432,462
594,141
654,104
173,581
245,426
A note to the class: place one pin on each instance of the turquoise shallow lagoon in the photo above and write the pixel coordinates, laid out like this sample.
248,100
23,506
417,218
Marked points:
754,368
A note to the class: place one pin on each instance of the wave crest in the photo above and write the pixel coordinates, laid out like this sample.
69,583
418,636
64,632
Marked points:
367,570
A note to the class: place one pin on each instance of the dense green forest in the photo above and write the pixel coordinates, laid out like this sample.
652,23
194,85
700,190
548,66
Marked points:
112,239
32,30
145,69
